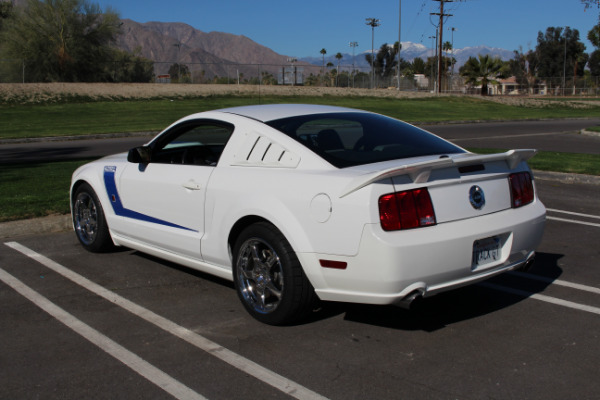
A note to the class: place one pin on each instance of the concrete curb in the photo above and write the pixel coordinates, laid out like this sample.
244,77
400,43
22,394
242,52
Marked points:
35,226
566,178
62,223
589,133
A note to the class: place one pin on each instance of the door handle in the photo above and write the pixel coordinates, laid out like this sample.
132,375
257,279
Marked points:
192,185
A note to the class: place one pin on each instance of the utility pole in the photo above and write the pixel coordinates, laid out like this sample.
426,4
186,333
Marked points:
440,40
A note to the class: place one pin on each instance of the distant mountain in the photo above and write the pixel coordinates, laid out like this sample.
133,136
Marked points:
216,53
410,51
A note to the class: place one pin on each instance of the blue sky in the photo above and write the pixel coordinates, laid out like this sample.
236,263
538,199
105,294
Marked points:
303,28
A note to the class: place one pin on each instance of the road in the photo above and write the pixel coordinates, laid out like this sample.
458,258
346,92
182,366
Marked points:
125,325
548,135
559,135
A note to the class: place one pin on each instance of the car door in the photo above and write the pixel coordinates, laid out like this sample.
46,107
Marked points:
164,199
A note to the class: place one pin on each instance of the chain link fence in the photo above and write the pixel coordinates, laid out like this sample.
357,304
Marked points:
302,74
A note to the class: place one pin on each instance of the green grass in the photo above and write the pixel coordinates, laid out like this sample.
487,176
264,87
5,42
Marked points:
593,128
81,118
574,163
35,190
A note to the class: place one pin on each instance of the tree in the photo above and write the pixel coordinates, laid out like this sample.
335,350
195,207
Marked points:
447,46
176,69
61,40
323,52
338,57
594,36
590,3
594,63
132,67
5,11
482,71
418,65
594,60
560,53
524,67
385,61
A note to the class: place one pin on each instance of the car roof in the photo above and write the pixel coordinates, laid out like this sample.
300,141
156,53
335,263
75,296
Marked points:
270,112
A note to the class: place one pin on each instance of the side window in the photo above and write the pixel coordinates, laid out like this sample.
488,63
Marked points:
193,143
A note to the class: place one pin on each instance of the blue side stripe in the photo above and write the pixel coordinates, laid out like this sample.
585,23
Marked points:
117,205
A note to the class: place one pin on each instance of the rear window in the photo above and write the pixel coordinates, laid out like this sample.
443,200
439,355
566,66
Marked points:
349,139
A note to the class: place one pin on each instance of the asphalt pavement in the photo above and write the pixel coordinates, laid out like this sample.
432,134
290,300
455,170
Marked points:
125,325
547,135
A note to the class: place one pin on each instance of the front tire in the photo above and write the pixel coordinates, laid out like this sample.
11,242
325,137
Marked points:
89,221
268,277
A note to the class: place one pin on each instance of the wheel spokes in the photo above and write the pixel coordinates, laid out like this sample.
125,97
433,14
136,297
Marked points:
260,275
86,221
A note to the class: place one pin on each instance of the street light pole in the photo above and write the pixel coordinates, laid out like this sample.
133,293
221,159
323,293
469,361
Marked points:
399,38
372,22
452,61
432,76
565,64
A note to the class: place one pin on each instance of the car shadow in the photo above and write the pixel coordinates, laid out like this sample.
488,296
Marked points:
429,314
447,308
184,269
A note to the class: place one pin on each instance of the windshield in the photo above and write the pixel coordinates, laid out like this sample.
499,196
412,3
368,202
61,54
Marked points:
349,139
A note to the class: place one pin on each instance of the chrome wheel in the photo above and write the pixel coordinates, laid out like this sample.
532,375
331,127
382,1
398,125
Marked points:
89,221
260,276
268,276
85,217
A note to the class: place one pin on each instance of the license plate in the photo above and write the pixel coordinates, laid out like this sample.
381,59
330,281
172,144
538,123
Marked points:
486,251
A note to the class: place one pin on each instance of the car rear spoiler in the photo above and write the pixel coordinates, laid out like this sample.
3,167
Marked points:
419,172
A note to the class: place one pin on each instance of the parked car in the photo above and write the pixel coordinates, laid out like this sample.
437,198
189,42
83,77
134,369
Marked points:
300,203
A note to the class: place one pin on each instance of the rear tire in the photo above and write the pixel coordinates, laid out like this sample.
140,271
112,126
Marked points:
89,221
268,277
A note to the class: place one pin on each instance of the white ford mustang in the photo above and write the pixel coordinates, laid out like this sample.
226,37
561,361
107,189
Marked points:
296,203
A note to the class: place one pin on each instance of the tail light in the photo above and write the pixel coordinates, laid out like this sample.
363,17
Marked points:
406,210
521,189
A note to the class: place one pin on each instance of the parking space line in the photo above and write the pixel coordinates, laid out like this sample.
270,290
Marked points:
131,360
573,221
541,297
573,213
558,282
241,363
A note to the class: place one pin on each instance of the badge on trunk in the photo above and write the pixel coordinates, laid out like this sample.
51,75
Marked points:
476,197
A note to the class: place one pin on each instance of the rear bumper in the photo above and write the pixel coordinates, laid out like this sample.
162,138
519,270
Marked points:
392,267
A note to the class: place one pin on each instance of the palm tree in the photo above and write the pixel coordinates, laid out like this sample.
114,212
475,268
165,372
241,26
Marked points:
447,46
482,71
339,57
323,52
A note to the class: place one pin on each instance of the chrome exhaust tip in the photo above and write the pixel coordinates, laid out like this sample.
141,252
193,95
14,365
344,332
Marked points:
528,264
408,301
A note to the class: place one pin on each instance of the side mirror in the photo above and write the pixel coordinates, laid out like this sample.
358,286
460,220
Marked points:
142,154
